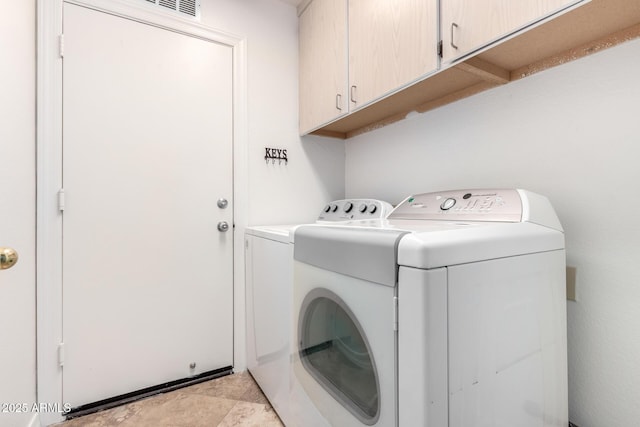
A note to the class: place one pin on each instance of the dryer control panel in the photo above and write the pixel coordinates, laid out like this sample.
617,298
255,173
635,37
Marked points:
503,205
355,209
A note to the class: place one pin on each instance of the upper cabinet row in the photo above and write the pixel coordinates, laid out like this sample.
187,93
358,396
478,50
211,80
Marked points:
355,52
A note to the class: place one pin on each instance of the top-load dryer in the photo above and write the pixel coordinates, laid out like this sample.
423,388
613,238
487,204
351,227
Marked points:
451,312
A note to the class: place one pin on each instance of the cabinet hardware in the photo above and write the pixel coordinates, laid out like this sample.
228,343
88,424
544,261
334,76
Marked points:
339,102
353,94
453,26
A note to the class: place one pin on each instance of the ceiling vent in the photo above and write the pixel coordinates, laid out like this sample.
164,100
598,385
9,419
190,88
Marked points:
188,7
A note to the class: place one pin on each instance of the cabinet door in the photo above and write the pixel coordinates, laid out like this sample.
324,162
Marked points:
391,43
468,25
323,63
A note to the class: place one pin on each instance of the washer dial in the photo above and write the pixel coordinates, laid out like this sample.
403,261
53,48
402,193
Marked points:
347,207
448,204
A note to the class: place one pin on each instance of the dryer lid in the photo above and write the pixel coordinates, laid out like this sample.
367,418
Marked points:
363,253
462,243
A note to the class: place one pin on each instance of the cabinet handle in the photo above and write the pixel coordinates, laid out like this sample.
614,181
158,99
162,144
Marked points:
339,102
353,94
453,25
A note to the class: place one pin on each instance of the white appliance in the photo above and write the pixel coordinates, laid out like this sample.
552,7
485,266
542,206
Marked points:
269,276
450,313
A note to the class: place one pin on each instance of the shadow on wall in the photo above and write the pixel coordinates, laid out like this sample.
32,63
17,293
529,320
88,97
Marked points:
326,157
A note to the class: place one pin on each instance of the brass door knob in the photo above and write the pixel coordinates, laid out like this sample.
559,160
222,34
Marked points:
8,257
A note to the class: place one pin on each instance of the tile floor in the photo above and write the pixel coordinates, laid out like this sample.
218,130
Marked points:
233,400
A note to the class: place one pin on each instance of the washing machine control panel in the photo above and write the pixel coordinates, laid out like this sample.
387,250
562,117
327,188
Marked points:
355,209
466,205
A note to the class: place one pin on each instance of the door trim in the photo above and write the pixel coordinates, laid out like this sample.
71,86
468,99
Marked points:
49,177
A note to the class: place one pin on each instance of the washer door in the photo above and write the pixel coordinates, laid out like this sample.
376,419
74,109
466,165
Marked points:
335,351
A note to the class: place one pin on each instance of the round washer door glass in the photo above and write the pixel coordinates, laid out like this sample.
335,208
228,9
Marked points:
335,351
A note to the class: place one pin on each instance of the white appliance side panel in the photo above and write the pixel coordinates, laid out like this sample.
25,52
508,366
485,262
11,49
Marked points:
508,343
252,358
269,276
422,347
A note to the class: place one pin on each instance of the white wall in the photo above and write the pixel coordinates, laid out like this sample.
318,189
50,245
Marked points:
17,209
294,192
571,133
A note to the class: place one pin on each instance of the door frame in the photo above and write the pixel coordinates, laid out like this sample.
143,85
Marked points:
49,176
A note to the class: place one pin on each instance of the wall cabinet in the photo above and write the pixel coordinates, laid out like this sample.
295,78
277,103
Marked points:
323,63
392,53
390,43
467,25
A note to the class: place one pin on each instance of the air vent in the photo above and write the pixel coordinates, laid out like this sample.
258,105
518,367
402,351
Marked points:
188,7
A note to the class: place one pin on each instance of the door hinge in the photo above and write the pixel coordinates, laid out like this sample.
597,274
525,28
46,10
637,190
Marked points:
395,313
61,354
61,45
61,200
440,48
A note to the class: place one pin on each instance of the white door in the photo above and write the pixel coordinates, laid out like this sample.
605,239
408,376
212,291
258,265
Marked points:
147,139
17,214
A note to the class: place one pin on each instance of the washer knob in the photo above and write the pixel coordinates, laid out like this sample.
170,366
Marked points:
327,208
347,207
334,208
372,208
448,204
362,208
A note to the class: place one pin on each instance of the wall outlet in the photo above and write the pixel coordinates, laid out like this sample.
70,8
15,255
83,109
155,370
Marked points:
571,283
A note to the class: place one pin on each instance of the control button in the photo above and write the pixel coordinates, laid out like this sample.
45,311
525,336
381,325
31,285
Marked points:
448,204
372,208
327,208
347,207
334,208
362,208
466,196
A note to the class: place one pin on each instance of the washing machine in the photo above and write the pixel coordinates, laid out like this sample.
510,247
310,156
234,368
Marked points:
451,312
268,282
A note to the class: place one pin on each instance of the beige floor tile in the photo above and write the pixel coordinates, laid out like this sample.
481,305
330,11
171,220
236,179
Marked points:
187,410
175,409
234,400
239,386
247,414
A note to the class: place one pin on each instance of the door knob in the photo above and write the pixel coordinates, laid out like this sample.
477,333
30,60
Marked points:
222,203
223,226
8,257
